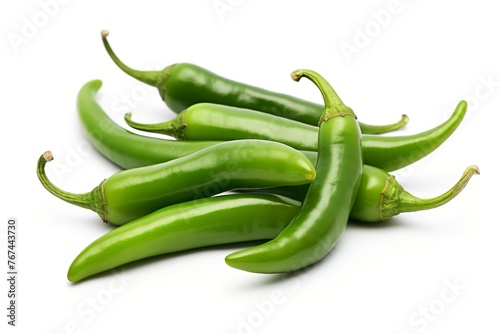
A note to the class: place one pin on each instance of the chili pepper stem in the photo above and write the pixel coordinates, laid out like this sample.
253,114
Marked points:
174,127
153,78
333,104
93,200
395,199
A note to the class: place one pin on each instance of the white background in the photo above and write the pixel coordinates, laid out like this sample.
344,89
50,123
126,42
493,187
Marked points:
421,59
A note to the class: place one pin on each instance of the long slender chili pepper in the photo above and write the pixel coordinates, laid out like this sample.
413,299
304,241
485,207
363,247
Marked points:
199,223
206,121
132,193
235,218
380,196
182,85
323,216
106,253
129,150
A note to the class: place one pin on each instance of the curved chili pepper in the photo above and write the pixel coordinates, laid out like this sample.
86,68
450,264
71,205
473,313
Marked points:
122,147
182,85
199,223
129,150
206,121
380,196
323,216
236,218
132,193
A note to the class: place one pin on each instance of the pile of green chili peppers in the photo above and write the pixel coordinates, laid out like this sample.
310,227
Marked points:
242,163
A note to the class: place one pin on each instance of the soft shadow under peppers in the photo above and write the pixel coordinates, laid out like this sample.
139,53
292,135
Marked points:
236,218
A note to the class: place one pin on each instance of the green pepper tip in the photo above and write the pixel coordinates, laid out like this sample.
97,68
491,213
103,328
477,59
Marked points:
96,84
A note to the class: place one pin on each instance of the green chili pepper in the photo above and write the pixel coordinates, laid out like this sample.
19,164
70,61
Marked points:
380,196
122,147
323,216
132,193
199,223
129,150
392,199
235,218
182,85
206,121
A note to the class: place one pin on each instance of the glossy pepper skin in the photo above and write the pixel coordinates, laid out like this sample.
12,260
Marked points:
182,85
324,214
380,196
206,121
122,147
235,218
132,193
188,225
129,150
